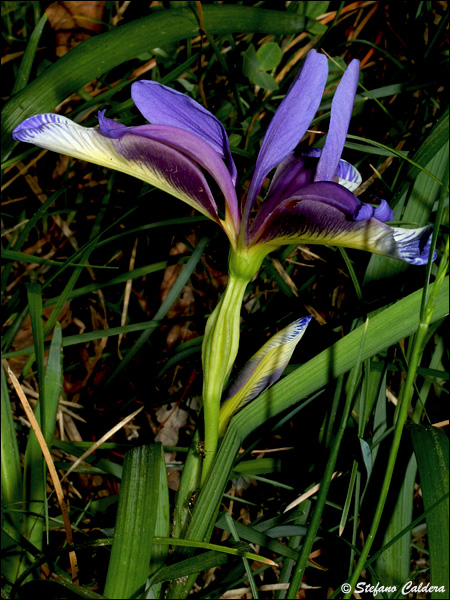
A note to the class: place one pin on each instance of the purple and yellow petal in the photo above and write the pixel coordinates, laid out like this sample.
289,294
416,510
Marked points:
306,221
194,148
148,160
262,370
162,105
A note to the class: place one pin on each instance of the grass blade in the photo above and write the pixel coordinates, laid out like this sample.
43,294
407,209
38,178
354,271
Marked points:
28,58
136,522
431,448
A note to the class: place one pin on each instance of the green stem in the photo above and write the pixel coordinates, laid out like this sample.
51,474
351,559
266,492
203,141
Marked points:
220,346
221,342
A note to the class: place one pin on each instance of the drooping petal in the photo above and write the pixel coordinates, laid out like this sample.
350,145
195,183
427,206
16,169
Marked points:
162,105
348,175
309,221
262,370
413,245
290,122
325,192
341,111
192,146
148,160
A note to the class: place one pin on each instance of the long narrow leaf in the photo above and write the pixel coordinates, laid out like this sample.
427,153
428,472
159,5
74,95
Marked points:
89,60
136,521
431,448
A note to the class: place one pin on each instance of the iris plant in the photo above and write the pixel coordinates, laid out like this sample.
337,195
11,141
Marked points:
309,200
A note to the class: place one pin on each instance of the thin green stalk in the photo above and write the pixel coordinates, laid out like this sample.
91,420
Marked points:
220,346
221,342
404,402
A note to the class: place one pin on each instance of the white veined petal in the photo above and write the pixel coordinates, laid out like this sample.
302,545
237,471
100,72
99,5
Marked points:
348,175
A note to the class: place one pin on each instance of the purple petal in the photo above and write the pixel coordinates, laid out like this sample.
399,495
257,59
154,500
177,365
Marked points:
299,221
188,144
365,212
292,174
148,160
383,212
290,122
162,105
341,111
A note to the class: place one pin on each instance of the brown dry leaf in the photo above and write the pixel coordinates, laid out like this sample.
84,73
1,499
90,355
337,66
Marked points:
172,420
185,303
74,22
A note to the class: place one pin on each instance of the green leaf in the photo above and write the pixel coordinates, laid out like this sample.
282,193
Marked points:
160,552
316,9
393,566
11,478
136,521
250,65
28,58
269,56
265,81
89,60
431,448
56,589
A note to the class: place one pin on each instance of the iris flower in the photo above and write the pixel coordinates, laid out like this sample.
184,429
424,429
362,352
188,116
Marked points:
185,150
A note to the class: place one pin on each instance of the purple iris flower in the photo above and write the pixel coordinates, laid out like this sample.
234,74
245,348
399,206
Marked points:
310,199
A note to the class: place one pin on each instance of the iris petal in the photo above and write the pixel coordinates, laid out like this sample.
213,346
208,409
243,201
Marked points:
146,159
305,221
348,175
162,105
263,369
383,212
290,122
341,112
191,146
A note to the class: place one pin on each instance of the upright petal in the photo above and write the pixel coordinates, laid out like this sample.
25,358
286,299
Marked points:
311,221
262,370
341,111
290,122
162,105
149,160
192,146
